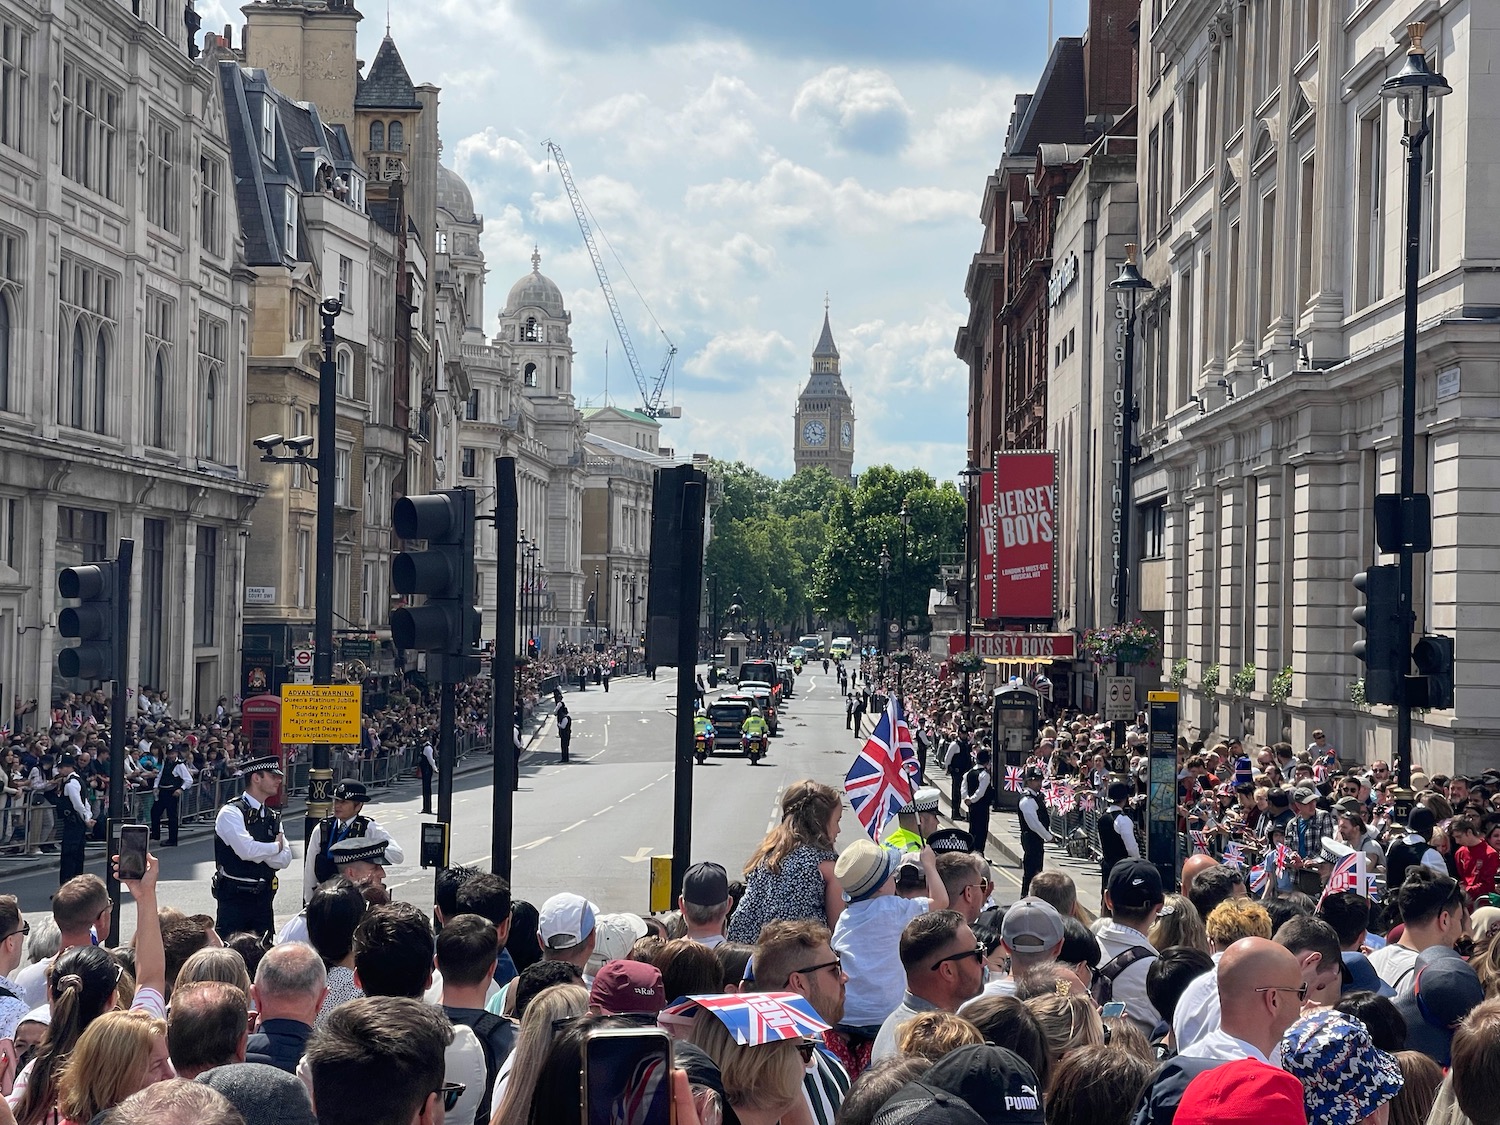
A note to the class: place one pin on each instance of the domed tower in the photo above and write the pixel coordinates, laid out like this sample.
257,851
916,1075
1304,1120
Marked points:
535,323
458,231
823,426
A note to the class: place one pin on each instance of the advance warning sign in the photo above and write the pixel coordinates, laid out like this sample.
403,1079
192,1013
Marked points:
313,713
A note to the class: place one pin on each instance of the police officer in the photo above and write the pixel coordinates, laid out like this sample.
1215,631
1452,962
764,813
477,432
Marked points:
428,765
1117,839
916,821
249,848
564,729
171,779
979,798
348,822
1036,827
76,818
363,862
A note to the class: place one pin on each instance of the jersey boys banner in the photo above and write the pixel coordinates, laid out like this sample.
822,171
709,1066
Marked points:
1018,537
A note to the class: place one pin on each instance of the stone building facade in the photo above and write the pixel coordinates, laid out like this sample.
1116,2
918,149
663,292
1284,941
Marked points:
123,341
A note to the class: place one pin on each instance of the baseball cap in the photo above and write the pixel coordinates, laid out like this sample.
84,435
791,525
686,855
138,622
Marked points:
918,1104
1135,884
1443,989
1247,1092
565,920
1344,1076
863,867
1360,976
1350,806
705,884
614,934
994,1082
1304,795
909,872
1031,926
627,988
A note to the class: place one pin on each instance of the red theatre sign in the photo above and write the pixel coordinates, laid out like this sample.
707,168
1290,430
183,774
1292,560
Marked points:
1017,646
1018,538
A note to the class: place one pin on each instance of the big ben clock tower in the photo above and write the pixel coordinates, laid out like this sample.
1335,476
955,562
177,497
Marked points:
823,428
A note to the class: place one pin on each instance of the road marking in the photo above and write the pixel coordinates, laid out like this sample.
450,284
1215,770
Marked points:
640,856
533,844
625,798
775,809
605,809
575,824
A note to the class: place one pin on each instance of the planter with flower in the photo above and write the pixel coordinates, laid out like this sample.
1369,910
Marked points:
1134,642
1210,681
1281,686
966,661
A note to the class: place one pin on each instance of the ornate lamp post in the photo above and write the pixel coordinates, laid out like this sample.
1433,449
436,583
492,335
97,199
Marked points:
905,518
885,570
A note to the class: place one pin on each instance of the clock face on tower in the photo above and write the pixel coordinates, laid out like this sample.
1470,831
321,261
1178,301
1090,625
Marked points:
846,435
814,433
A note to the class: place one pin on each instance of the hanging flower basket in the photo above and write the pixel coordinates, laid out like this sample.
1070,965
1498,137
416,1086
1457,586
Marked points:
904,659
966,661
1135,642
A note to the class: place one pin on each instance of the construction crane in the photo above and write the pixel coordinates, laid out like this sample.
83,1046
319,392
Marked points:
651,397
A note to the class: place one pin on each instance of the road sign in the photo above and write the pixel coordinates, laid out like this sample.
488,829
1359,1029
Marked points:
357,648
302,666
893,629
1161,801
327,713
1119,698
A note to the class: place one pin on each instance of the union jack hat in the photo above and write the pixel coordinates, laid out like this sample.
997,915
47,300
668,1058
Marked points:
754,1018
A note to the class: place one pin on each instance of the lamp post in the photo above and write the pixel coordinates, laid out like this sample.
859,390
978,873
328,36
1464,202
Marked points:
885,570
969,475
594,606
1131,284
522,544
905,518
323,463
1412,90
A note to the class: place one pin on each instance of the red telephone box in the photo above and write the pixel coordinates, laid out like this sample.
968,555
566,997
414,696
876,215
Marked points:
260,721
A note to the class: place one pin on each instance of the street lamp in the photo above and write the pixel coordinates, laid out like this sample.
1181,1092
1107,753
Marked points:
523,544
324,468
1411,89
970,474
905,517
885,570
1132,285
594,606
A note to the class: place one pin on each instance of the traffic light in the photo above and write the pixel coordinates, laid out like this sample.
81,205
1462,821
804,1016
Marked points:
1384,647
1433,684
93,622
447,622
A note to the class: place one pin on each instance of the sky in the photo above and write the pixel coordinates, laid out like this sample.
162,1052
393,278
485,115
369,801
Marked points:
742,160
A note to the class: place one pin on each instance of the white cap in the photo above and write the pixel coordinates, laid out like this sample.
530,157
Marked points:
566,920
616,933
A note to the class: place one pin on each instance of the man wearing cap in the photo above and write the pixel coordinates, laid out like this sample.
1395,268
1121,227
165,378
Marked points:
427,766
348,822
74,816
1035,827
1309,826
1032,933
1443,990
565,930
362,862
1435,911
1116,832
915,821
249,848
705,903
628,988
1133,896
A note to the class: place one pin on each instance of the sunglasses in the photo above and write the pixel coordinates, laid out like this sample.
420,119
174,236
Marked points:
451,1092
977,953
807,1049
837,965
24,931
1300,990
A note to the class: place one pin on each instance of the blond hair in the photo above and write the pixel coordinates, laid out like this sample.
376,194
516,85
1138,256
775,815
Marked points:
534,1044
806,808
766,1077
1178,923
108,1064
215,963
1068,1022
931,1035
1236,918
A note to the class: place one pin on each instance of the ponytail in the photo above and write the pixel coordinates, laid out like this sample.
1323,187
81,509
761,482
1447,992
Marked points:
82,984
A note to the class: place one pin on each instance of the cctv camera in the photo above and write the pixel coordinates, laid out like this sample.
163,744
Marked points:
299,443
332,306
268,443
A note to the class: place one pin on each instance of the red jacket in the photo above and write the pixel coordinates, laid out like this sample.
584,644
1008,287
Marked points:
1477,866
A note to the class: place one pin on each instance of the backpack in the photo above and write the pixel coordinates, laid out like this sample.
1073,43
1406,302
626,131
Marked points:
483,1027
1103,988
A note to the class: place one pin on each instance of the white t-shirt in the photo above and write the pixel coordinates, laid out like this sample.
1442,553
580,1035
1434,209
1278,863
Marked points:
1197,1011
867,937
1394,964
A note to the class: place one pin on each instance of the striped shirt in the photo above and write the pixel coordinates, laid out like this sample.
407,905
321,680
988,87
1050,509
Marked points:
825,1086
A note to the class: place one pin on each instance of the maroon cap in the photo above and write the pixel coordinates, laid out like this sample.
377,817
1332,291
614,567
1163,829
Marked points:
627,988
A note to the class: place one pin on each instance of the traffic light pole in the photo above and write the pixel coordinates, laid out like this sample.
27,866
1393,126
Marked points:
503,668
689,606
320,776
119,713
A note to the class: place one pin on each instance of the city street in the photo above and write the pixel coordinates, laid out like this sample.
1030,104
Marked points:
589,826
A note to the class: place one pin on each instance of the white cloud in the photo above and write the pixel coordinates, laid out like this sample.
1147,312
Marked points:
972,131
863,110
730,357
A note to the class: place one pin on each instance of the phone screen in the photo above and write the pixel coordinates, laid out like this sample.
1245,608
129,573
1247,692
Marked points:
133,839
1112,1010
627,1077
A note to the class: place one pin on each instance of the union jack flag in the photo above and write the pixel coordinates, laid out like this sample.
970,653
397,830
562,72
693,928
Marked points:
1348,874
647,1094
1200,840
1320,772
1259,877
1282,857
1234,855
754,1018
879,780
1013,779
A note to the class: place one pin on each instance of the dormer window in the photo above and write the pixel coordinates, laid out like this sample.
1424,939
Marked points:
395,133
268,128
377,136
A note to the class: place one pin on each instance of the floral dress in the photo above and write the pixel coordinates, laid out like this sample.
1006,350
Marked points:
791,894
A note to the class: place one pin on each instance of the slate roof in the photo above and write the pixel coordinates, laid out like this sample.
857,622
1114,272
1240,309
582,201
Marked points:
388,85
1059,109
825,346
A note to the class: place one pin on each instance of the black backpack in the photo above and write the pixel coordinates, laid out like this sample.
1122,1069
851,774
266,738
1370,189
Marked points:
1103,988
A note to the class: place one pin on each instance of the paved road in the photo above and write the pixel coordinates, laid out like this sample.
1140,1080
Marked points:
589,825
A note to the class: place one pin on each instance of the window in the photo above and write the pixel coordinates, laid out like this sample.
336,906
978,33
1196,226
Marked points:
1153,531
212,355
205,585
366,593
89,124
467,461
299,429
529,330
395,133
1307,27
299,579
1153,183
10,310
1428,234
289,223
1190,133
1234,313
376,394
1169,162
471,409
341,570
159,355
268,127
1267,310
529,375
211,204
344,362
1370,172
377,136
299,319
5,338
372,510
1307,204
1206,313
161,174
15,85
341,477
1184,317
346,270
11,532
86,324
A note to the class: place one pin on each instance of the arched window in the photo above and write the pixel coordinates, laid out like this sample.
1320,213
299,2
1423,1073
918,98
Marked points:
346,373
530,375
396,132
377,135
529,332
101,380
75,386
157,433
4,353
210,417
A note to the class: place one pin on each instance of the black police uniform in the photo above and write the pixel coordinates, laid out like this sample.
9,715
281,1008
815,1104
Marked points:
246,889
323,866
1111,845
74,830
1032,845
